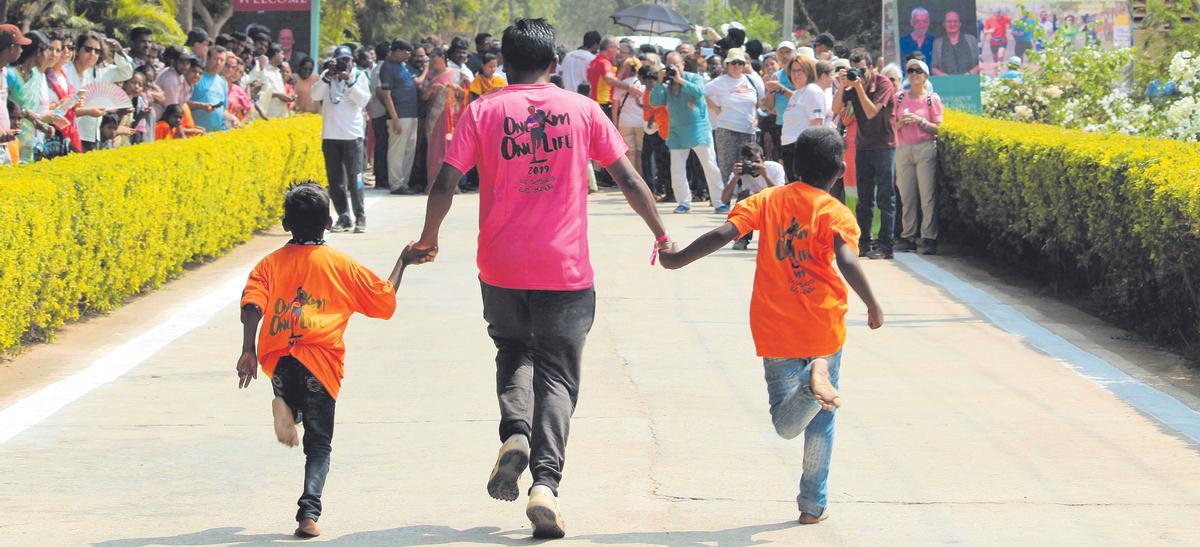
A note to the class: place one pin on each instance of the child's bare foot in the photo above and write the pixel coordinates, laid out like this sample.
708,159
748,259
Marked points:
822,386
285,423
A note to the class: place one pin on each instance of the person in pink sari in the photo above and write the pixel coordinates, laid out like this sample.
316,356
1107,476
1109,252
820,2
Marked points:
445,91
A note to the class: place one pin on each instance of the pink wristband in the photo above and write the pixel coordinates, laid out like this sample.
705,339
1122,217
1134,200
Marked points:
654,250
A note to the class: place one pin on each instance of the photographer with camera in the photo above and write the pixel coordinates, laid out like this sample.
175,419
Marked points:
871,98
683,94
752,175
344,92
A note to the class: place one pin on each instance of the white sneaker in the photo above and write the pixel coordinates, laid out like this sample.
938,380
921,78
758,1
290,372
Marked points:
543,513
510,463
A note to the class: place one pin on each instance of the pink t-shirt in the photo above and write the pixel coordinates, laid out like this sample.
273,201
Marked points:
928,106
532,144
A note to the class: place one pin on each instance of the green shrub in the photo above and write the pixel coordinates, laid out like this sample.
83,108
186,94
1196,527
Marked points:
86,232
1111,216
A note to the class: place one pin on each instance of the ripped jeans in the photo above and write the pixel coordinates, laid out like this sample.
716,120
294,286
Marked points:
794,410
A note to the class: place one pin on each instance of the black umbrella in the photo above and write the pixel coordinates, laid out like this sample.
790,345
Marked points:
651,19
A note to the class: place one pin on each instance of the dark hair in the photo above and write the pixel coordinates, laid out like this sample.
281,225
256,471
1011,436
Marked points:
273,50
690,64
528,46
145,71
239,36
256,28
437,52
735,37
556,80
260,37
750,150
196,36
60,35
215,50
841,51
224,40
584,88
137,32
754,48
402,45
382,50
110,118
13,109
824,39
481,38
172,110
458,42
38,42
817,156
487,58
591,39
646,72
914,54
648,48
306,59
362,58
306,211
858,55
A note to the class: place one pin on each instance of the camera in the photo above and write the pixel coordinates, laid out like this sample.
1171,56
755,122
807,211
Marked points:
749,169
672,73
341,65
853,74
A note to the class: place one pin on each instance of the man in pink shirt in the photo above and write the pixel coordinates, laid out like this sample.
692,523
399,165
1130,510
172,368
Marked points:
533,143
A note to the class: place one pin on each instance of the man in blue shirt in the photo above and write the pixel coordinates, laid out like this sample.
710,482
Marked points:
683,94
398,90
919,39
210,95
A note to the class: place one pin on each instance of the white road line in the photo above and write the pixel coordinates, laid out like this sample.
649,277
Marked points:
1152,402
45,402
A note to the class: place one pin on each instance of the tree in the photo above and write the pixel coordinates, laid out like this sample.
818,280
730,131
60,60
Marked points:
213,14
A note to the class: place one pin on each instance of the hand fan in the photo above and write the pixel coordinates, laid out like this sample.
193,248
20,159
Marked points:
105,95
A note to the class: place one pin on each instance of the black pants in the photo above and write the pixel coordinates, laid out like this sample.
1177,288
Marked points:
539,337
656,165
343,165
313,407
380,127
602,177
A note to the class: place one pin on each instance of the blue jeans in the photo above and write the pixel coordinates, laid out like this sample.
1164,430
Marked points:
876,181
794,410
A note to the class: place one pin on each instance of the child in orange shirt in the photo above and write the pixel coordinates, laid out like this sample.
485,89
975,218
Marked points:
307,292
798,309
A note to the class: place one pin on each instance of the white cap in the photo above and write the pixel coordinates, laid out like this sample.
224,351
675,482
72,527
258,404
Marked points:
786,44
919,64
807,52
725,28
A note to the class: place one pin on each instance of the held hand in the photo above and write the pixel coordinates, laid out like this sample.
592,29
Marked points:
247,368
668,255
410,255
425,251
874,317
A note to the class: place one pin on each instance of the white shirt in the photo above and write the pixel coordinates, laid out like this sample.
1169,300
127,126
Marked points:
574,68
831,119
89,127
375,107
757,184
631,108
342,105
272,79
738,100
805,106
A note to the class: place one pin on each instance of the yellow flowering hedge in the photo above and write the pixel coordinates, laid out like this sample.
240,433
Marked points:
85,232
1114,217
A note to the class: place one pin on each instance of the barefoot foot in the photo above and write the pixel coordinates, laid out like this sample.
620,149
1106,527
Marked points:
285,423
822,386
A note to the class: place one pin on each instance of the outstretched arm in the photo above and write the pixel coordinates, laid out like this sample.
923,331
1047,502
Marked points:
441,196
702,247
847,262
639,197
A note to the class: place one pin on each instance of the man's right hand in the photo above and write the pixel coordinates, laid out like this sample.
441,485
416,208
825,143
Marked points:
420,252
396,126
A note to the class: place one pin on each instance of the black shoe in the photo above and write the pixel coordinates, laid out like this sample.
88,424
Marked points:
340,227
402,191
877,254
928,246
904,246
864,248
360,226
741,245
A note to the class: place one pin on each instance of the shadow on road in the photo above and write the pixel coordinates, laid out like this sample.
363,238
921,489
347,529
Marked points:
445,535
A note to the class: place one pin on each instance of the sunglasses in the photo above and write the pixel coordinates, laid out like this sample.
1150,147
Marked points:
736,63
90,49
915,71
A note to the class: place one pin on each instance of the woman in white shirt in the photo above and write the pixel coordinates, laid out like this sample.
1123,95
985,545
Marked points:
734,97
627,111
806,108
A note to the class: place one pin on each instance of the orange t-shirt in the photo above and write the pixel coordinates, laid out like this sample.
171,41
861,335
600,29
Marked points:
799,304
659,115
163,132
307,294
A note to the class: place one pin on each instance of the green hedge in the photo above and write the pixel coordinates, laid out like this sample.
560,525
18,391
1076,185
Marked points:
85,232
1112,217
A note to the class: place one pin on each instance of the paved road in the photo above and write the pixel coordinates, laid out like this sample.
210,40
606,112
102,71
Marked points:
954,431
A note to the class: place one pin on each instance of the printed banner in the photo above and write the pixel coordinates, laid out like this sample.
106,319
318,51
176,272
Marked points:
291,29
1009,33
945,34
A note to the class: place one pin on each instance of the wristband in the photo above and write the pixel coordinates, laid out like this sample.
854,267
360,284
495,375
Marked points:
654,251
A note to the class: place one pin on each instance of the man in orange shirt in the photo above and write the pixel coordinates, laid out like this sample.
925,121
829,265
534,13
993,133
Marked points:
307,293
798,309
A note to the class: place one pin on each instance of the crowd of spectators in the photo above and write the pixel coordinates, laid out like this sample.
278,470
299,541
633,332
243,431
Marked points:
721,112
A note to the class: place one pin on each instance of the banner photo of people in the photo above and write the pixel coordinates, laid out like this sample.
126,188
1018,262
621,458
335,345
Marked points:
944,35
289,22
1009,31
